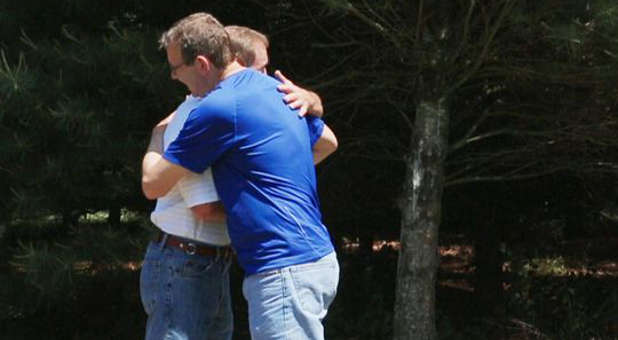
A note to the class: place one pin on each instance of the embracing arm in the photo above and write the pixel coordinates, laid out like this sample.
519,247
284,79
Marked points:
158,174
199,193
308,102
325,145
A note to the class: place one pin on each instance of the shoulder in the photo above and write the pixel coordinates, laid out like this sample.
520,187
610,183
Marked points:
250,80
220,104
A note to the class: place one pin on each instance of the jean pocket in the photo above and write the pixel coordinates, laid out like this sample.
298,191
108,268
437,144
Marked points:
315,287
149,284
193,268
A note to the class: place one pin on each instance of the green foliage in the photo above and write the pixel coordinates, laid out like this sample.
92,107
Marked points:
76,114
52,267
565,308
81,85
50,276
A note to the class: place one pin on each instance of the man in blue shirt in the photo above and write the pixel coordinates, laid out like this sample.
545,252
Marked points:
260,153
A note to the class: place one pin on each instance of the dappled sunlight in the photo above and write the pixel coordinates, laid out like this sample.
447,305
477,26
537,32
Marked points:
459,259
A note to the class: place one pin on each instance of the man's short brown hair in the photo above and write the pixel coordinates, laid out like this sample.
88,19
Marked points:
243,40
199,34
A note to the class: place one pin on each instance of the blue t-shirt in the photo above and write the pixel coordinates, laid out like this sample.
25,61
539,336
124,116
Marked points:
260,153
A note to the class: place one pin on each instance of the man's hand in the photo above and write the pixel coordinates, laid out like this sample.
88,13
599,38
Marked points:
298,98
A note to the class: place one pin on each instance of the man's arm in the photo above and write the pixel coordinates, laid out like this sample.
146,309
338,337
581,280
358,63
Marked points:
309,102
158,174
325,145
207,212
296,97
199,193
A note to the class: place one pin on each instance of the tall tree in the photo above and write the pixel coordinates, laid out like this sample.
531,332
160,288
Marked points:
482,91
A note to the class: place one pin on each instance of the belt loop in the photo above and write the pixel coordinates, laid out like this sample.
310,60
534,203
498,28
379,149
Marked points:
226,265
163,240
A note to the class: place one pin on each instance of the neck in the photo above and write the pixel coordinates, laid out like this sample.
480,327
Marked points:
230,69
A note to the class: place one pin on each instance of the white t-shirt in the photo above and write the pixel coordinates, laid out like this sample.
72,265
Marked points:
172,213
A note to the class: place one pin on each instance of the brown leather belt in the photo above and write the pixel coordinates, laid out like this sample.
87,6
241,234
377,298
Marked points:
193,247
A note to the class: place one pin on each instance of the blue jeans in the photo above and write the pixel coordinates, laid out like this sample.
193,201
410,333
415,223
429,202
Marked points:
185,296
290,303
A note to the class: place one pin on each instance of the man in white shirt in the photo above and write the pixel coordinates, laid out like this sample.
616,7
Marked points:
184,282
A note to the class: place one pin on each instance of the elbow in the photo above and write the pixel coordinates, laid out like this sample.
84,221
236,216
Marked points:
334,144
331,146
150,190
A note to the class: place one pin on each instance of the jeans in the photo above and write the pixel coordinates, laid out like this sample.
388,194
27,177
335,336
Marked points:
186,296
290,303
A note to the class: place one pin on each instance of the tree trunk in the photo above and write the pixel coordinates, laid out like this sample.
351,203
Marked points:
488,261
114,215
69,218
421,214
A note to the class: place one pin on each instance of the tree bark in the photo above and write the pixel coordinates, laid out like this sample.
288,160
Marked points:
421,213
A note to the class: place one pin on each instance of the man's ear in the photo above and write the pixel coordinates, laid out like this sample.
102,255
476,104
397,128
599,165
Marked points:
203,63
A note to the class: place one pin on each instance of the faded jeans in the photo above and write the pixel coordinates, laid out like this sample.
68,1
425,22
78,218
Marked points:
289,303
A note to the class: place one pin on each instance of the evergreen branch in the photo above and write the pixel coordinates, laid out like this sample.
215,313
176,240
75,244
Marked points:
6,170
467,22
346,5
404,115
488,42
463,141
350,8
466,32
504,178
378,17
12,74
27,40
501,132
419,19
70,36
328,70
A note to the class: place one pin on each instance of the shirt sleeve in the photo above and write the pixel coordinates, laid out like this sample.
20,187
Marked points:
198,188
208,132
316,127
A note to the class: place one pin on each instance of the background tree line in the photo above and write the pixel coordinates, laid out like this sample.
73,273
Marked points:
472,117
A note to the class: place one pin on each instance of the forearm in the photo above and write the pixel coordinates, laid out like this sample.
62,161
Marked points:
325,145
153,155
158,175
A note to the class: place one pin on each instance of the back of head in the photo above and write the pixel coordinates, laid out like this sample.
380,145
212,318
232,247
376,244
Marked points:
243,40
199,34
